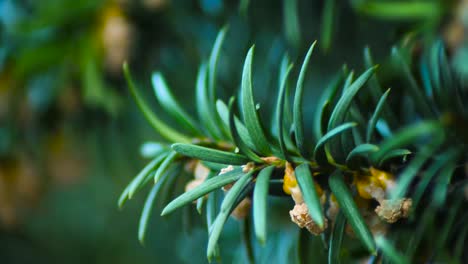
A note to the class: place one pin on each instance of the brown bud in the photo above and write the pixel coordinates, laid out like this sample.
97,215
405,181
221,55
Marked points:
248,167
272,160
392,210
226,170
300,216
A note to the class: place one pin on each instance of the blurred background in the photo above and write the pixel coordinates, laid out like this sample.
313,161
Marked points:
70,134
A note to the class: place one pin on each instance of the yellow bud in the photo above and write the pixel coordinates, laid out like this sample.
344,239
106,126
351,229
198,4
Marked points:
290,181
363,184
384,178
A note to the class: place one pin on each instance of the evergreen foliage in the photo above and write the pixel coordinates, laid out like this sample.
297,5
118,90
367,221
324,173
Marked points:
410,140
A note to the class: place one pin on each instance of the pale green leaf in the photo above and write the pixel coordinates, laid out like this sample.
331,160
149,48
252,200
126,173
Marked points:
361,150
241,145
249,110
162,128
208,154
260,206
350,210
169,103
375,116
280,113
227,206
298,102
332,133
311,198
206,187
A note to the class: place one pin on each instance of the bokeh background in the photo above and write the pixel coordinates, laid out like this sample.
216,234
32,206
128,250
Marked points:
71,136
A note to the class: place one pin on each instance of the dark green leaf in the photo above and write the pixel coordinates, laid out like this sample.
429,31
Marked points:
350,210
171,185
375,88
283,69
323,111
243,148
341,109
167,101
424,221
376,116
429,173
442,184
356,115
350,139
212,68
413,88
162,128
287,109
260,203
357,137
332,133
223,112
280,113
444,231
322,120
204,107
206,187
405,137
208,154
311,198
413,168
361,150
450,96
336,238
249,111
226,208
394,154
298,108
214,56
